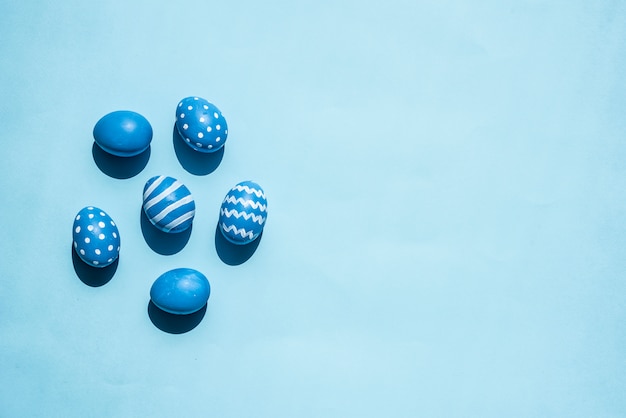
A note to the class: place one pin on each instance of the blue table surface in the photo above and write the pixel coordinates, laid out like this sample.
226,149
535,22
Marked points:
446,214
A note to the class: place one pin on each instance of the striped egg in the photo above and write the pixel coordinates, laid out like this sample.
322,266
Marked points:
168,204
201,124
96,237
243,213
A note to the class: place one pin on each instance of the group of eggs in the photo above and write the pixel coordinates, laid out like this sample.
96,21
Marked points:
167,203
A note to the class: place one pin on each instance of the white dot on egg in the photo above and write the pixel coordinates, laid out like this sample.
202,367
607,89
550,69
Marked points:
89,228
189,107
218,127
97,251
199,145
226,131
216,115
210,146
91,216
187,139
200,135
185,126
101,224
182,116
101,236
112,223
110,260
180,104
118,248
209,129
87,240
195,98
90,208
95,262
110,248
102,214
202,120
82,252
78,217
75,244
218,139
114,235
205,107
77,229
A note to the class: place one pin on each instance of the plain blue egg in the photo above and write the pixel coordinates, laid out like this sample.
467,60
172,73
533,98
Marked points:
180,291
123,133
96,237
243,213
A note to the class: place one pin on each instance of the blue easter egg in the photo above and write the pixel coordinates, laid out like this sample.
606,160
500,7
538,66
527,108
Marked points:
123,133
243,213
201,124
96,237
180,291
168,204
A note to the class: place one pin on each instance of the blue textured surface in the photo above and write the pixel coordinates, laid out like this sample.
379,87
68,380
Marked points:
168,204
243,213
123,133
96,238
447,222
180,291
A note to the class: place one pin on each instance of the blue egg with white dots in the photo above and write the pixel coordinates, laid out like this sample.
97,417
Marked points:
180,291
96,237
168,204
243,213
123,133
201,124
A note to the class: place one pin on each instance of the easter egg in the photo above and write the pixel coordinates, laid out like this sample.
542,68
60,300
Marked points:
243,213
168,204
123,133
180,291
201,124
96,237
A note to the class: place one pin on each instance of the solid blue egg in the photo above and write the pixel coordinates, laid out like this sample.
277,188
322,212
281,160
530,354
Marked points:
96,237
168,204
243,213
180,291
123,133
201,124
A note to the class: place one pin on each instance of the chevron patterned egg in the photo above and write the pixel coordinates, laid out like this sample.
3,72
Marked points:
201,124
243,213
96,237
180,291
168,204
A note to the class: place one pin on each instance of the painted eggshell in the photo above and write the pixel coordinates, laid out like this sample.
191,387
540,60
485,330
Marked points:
243,213
96,237
201,124
168,204
180,291
123,133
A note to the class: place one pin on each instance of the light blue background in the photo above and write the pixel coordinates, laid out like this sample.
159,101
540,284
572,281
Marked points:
446,226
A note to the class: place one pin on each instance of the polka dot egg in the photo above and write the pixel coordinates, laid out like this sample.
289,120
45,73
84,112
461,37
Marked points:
243,213
96,237
201,124
168,204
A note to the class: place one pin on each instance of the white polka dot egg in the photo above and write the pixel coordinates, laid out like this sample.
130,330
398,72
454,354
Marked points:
201,124
96,237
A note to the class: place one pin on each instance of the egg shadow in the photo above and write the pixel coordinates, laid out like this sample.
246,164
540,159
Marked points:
233,254
196,162
119,167
160,242
93,276
174,324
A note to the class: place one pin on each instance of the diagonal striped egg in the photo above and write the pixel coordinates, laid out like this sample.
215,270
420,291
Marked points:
168,204
96,237
201,124
243,213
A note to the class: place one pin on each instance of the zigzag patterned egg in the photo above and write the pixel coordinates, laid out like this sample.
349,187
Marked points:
168,204
96,237
201,124
243,213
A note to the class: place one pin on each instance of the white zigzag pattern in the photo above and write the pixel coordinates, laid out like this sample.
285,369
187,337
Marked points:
246,202
238,231
248,189
234,212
